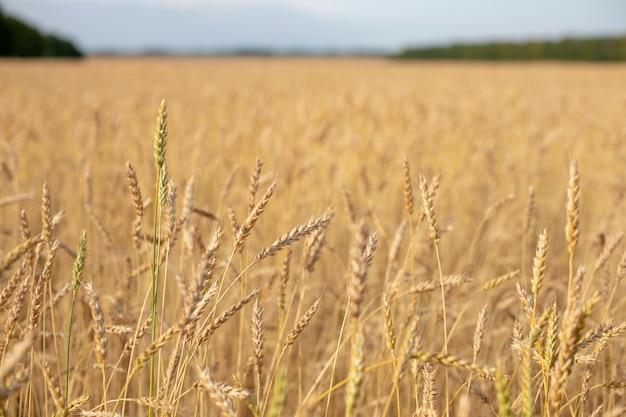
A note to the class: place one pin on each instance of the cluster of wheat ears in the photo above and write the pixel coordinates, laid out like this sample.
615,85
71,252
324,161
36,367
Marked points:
194,331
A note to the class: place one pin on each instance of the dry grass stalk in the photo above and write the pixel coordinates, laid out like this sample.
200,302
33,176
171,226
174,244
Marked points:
14,199
408,188
299,327
295,235
40,286
135,190
97,324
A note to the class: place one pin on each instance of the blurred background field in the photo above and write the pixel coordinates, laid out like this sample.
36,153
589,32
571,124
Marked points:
321,125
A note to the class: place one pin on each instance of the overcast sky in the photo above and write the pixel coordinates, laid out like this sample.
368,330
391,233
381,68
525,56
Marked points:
204,25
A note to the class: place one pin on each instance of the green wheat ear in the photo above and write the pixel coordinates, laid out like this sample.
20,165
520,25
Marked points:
160,143
160,136
79,263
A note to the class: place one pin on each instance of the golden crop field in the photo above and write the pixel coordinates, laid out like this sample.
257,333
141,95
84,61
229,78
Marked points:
311,237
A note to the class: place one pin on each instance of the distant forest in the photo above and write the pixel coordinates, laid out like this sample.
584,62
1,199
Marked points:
571,49
19,39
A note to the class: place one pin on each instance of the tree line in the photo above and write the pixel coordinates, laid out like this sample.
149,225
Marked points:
19,39
570,49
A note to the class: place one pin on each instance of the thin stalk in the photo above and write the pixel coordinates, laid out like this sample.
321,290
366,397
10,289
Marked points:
77,273
445,321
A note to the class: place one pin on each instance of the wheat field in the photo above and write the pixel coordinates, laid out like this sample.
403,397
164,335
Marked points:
311,237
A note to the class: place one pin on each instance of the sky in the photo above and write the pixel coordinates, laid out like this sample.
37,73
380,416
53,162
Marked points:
313,25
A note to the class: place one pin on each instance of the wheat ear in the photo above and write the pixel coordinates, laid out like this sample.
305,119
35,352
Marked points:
244,230
572,208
